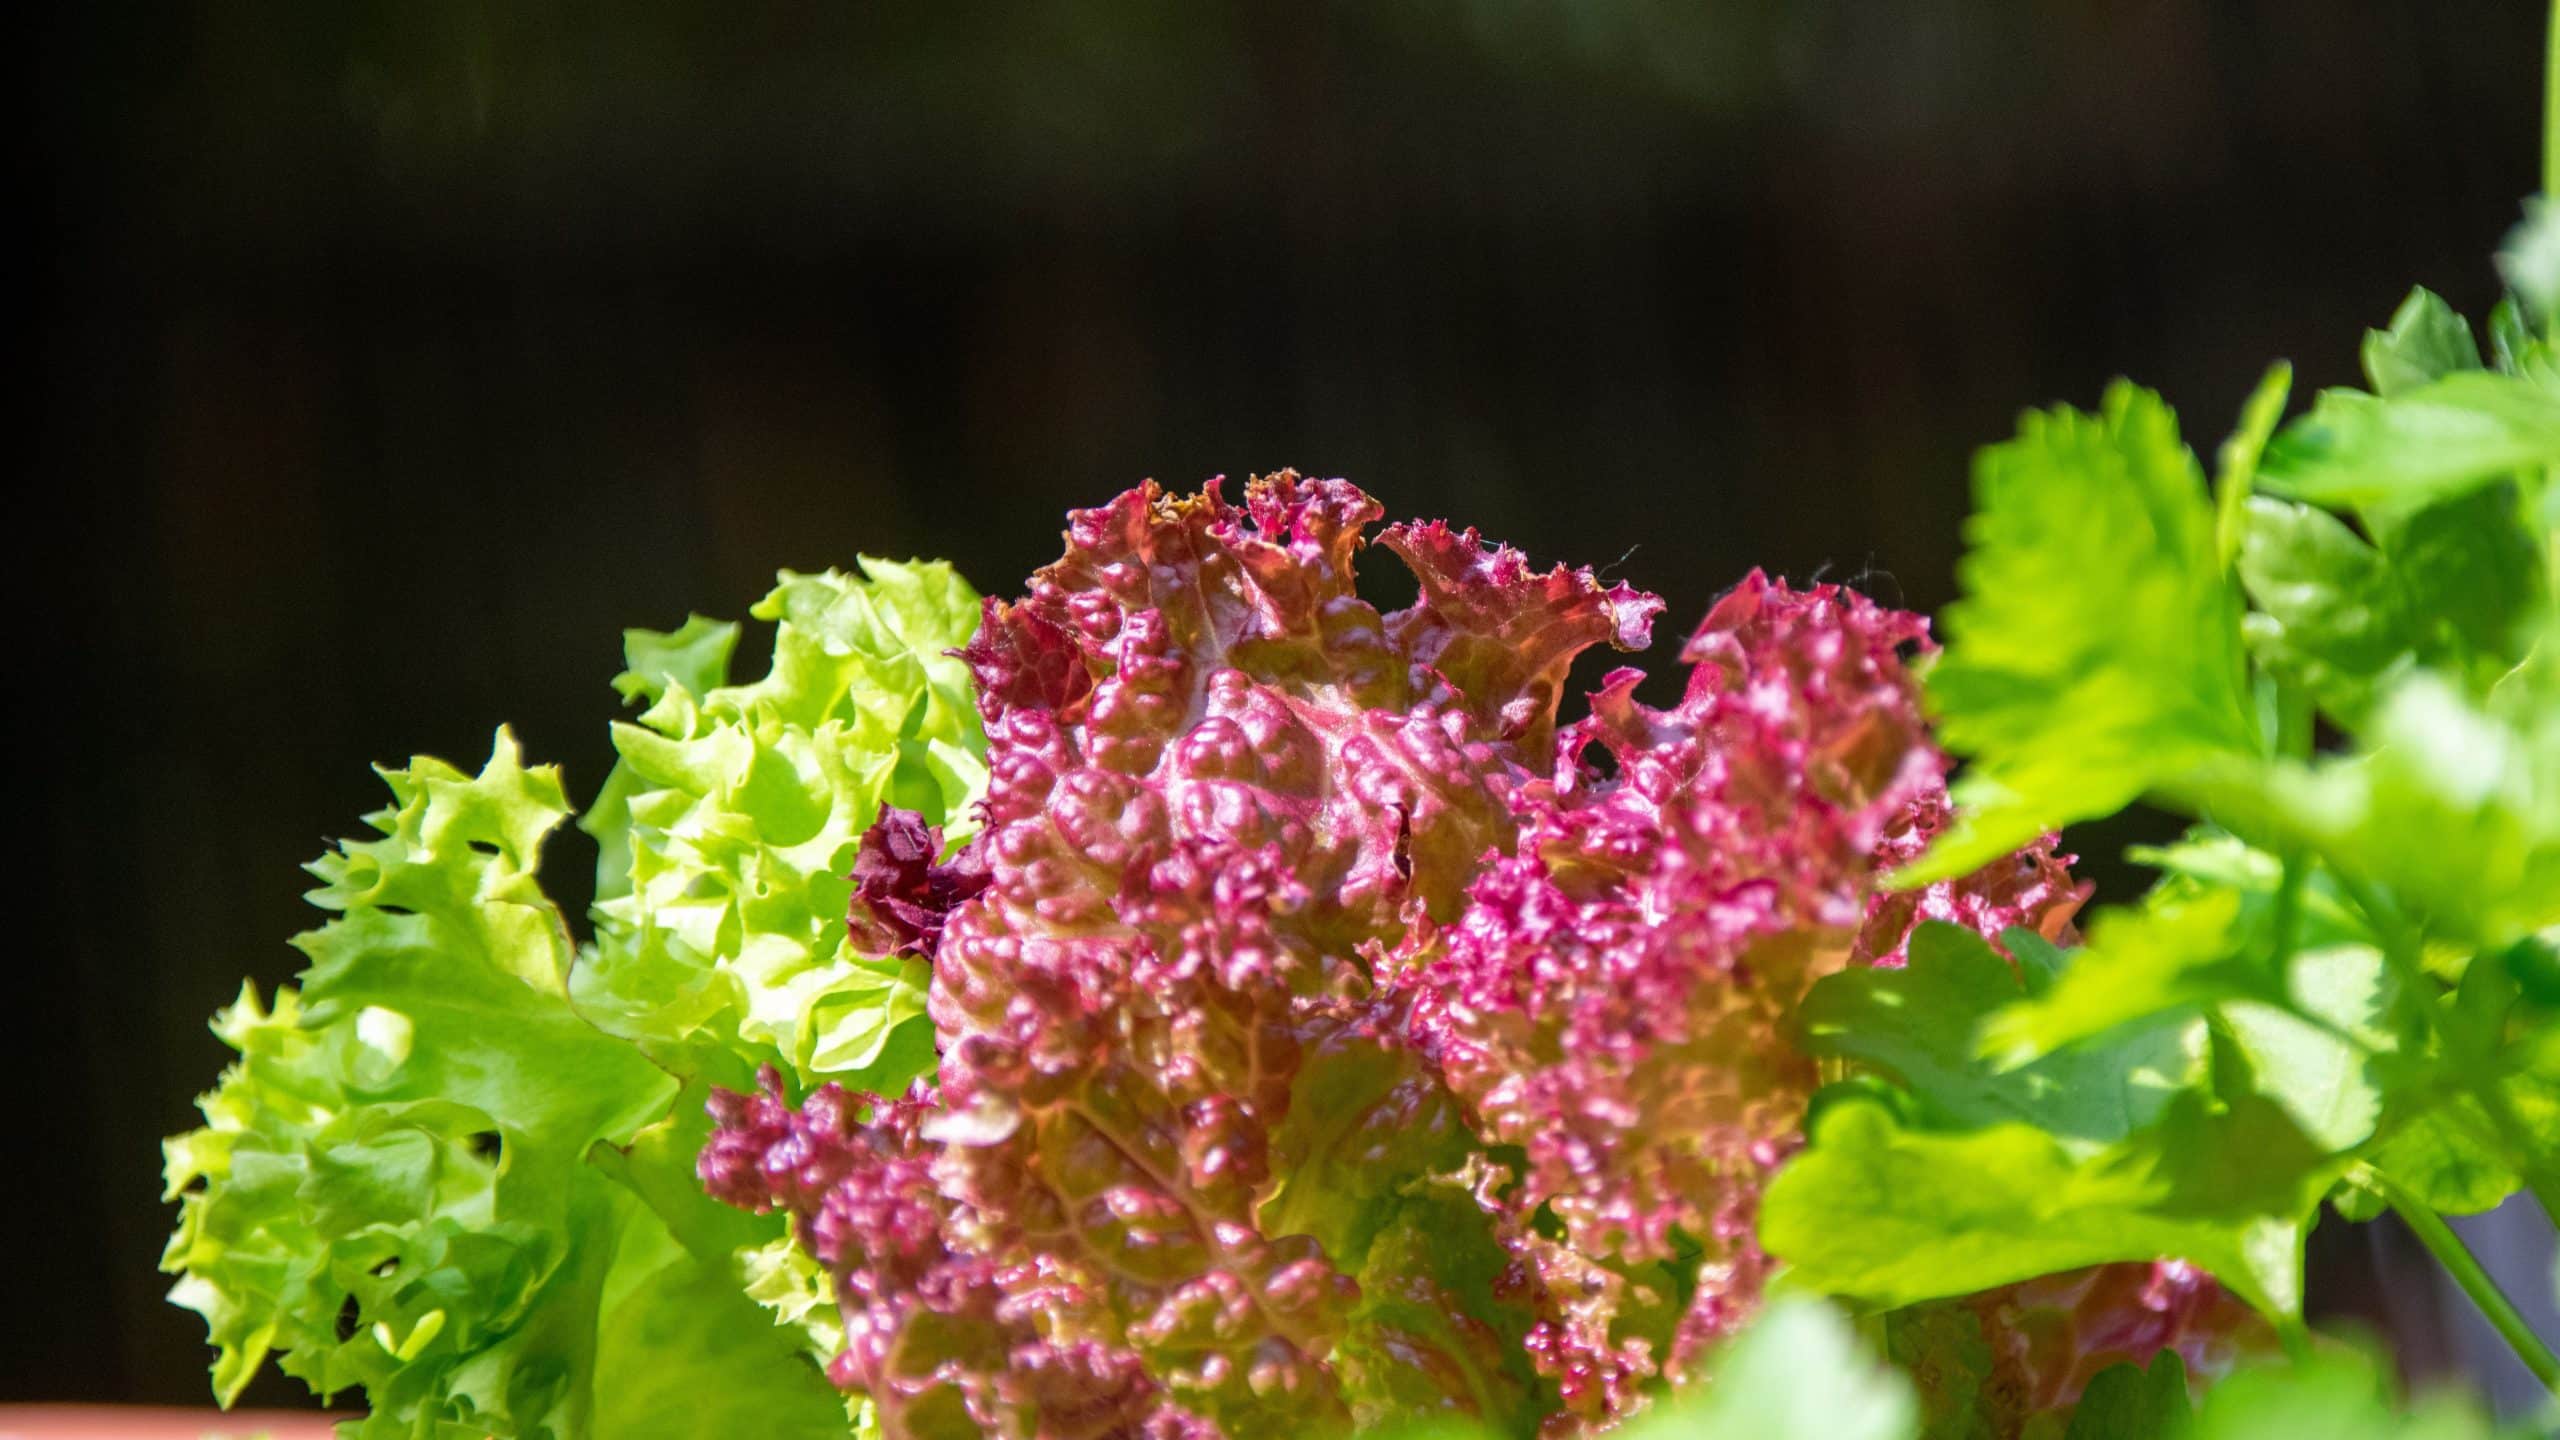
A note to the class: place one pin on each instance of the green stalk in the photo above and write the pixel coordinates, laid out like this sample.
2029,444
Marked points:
2551,105
2293,723
2458,1261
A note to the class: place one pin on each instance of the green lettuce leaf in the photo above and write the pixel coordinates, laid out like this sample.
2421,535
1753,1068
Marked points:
455,1167
731,823
2453,811
393,1187
1896,1214
1920,1025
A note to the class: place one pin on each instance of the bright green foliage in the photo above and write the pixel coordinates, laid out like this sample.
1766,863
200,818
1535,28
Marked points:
396,1185
2138,964
1798,1371
1970,1177
2447,435
443,1172
2097,650
2337,1395
2426,341
2342,983
1918,1025
2330,618
736,810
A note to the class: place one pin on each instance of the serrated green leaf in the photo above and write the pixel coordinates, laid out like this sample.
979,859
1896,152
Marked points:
2236,465
2210,859
2511,342
1919,1023
2427,341
2470,579
2451,434
2330,615
2139,963
394,1192
2304,1035
1895,1215
2455,810
693,657
2450,1156
2315,1054
2096,650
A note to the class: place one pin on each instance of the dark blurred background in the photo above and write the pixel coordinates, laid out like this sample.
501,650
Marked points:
393,357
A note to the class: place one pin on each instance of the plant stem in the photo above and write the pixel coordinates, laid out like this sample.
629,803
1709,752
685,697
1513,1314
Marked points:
2551,105
2458,1261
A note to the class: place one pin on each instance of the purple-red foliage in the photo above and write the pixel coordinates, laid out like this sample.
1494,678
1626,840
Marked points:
943,1338
903,893
1324,1036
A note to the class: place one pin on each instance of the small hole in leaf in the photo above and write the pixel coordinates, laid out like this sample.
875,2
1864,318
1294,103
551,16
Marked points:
1600,760
483,847
1543,1221
395,909
195,1185
486,1145
350,1315
387,1268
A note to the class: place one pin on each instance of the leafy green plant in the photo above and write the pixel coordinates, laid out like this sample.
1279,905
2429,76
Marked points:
1187,1002
454,1167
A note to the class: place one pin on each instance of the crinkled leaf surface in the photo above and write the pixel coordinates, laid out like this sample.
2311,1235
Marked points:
733,819
394,1184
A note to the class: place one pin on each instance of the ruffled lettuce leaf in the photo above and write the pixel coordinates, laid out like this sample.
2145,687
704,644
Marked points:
455,1167
731,823
394,1188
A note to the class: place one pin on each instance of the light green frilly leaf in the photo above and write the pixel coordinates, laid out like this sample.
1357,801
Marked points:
393,1191
730,824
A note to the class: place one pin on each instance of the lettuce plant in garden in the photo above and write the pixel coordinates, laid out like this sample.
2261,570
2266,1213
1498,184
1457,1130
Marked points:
1182,1000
